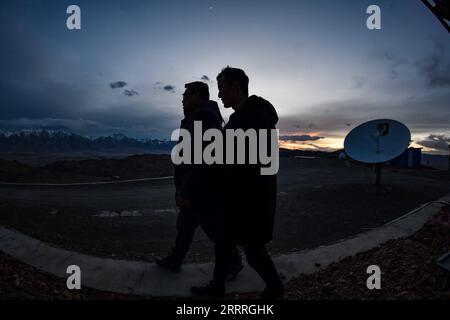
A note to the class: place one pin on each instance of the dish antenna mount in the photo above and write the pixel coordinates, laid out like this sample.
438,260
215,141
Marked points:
377,142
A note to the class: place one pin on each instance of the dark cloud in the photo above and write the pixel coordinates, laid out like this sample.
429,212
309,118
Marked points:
331,117
205,78
28,85
42,88
392,62
437,142
130,93
321,148
300,138
118,84
164,87
423,114
308,126
436,67
169,88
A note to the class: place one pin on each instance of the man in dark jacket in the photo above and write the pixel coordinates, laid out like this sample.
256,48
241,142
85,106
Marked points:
250,197
196,184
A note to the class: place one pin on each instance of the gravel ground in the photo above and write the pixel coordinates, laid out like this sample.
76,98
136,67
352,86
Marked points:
408,272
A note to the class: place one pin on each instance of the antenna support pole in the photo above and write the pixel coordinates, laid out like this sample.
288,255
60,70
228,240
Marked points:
378,176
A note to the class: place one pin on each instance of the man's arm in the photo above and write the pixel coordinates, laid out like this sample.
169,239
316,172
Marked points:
196,174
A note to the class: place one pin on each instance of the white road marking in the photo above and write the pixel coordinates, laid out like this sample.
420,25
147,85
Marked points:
83,183
114,214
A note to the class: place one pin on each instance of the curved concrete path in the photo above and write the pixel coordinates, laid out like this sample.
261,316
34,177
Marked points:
140,278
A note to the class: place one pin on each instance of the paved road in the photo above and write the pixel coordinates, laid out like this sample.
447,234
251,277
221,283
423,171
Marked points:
158,194
319,201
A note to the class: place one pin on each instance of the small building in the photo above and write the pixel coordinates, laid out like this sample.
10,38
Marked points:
410,158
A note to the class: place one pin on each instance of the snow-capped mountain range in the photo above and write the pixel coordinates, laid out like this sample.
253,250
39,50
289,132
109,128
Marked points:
63,140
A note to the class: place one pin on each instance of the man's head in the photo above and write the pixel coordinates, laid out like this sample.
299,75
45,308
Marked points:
195,93
233,87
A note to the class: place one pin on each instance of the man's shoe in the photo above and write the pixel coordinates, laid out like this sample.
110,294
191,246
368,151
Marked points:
210,290
169,263
233,271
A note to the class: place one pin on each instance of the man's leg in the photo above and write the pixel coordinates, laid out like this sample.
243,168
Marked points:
223,252
259,259
234,263
186,224
227,257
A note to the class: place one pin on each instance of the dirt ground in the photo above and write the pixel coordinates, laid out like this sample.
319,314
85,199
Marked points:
87,170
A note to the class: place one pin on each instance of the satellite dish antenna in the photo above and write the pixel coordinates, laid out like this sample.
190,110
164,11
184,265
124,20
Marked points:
376,142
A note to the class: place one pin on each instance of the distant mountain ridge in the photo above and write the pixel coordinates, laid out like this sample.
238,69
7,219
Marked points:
62,140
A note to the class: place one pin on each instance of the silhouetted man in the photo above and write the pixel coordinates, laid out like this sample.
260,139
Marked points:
196,184
249,197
